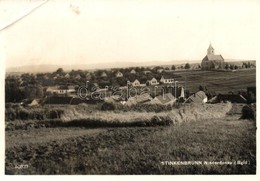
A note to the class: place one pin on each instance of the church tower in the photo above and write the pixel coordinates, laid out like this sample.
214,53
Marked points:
211,50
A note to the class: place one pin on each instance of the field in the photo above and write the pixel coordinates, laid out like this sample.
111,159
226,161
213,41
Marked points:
83,139
218,81
137,149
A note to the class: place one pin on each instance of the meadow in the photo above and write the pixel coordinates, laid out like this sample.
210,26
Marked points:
135,150
218,81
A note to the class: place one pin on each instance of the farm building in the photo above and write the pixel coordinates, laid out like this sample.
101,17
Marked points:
139,99
119,74
153,81
34,102
60,90
198,97
138,83
147,72
31,102
171,89
104,74
78,76
133,71
212,61
165,99
167,79
67,75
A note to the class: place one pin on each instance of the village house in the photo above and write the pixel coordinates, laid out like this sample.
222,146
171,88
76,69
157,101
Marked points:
137,83
153,81
78,77
60,90
88,76
67,76
160,70
212,61
139,99
198,97
133,71
167,79
147,72
165,99
119,74
104,74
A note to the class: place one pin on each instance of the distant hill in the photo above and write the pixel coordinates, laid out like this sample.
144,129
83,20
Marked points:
51,68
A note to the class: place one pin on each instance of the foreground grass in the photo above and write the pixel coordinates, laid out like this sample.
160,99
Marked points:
80,117
142,150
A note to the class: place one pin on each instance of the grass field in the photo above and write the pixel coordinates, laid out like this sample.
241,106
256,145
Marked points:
135,150
219,81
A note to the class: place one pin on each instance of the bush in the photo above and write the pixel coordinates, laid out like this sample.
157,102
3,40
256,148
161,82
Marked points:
107,106
146,108
249,112
54,114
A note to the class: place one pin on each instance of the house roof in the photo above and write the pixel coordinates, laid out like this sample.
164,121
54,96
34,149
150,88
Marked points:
198,97
118,72
165,98
139,99
103,74
213,58
133,71
51,88
147,71
153,79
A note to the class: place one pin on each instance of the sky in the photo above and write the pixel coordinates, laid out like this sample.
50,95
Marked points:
86,32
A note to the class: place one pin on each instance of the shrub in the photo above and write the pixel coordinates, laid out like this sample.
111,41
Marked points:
107,106
147,108
249,112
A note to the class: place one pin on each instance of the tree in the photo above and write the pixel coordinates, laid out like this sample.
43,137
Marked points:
59,71
187,66
173,67
201,88
39,91
226,66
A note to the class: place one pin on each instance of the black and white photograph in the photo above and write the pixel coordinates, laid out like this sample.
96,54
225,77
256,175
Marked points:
120,87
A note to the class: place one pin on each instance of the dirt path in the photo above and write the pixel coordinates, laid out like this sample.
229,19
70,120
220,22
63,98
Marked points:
34,136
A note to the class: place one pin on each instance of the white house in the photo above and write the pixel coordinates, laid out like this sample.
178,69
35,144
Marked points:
153,81
119,74
167,79
198,97
137,83
133,71
67,75
78,76
61,90
103,74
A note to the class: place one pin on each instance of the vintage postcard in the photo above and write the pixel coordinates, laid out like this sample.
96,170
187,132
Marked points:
129,87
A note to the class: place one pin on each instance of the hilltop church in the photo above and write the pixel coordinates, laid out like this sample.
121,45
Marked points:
212,61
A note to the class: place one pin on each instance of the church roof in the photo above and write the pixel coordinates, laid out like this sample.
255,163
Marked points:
213,58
